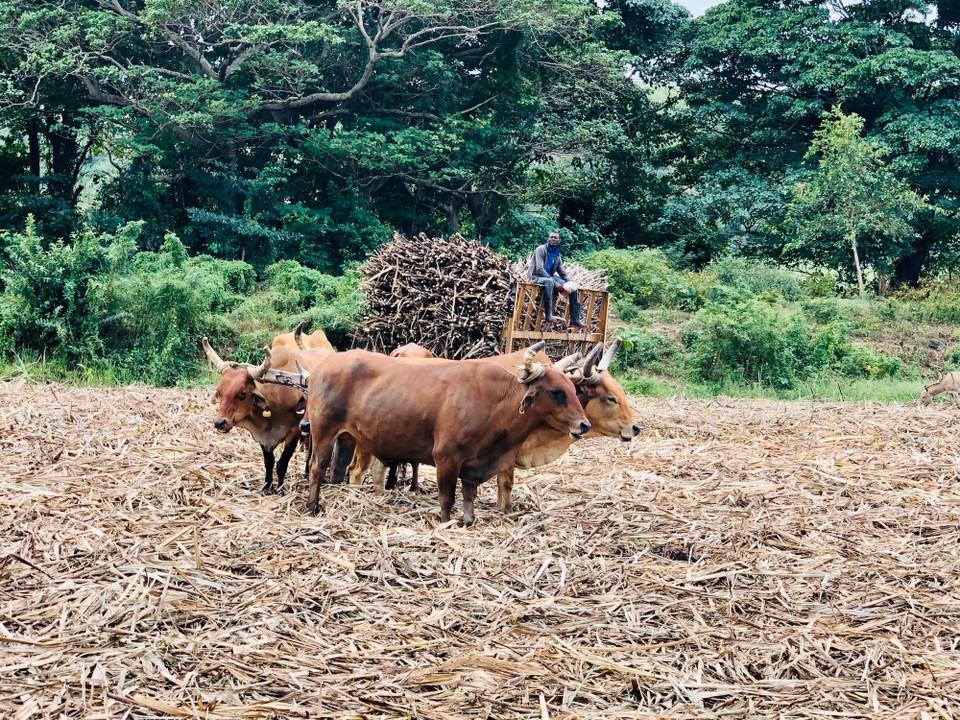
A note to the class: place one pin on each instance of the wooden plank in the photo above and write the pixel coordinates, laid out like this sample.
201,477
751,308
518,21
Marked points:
514,323
536,335
604,313
532,307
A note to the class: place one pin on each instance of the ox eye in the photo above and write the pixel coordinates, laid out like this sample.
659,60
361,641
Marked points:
611,399
558,396
242,396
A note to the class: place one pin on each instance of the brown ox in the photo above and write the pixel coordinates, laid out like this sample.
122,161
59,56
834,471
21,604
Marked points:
468,419
271,413
296,340
412,350
604,402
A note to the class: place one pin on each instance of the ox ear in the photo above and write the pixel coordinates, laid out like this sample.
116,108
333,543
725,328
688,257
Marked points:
528,398
260,405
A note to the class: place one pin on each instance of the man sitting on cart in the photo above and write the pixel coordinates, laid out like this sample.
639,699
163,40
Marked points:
546,269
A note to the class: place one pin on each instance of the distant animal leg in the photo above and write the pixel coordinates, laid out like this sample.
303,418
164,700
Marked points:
344,449
392,476
415,478
505,491
289,448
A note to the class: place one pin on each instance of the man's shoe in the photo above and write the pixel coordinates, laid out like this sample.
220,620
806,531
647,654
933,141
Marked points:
578,325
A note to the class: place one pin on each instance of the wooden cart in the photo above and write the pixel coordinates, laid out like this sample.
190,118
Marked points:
526,325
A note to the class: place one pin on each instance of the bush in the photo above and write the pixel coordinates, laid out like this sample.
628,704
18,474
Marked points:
755,277
819,284
151,319
952,360
823,310
643,278
861,361
44,303
644,349
742,343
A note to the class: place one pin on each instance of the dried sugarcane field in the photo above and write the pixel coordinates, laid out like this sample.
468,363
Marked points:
741,558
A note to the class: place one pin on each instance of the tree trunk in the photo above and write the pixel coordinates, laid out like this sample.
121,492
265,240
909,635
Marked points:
907,269
33,145
856,262
64,155
453,214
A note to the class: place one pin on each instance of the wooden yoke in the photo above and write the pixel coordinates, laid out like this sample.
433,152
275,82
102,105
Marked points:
526,325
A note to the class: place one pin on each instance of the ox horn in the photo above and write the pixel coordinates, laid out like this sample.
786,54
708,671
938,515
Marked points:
265,374
530,371
304,374
608,356
531,353
564,364
298,335
218,362
590,374
257,372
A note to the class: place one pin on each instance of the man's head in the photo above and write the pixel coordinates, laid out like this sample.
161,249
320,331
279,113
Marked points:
553,238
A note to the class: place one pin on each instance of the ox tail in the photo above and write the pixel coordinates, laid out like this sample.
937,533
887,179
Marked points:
342,456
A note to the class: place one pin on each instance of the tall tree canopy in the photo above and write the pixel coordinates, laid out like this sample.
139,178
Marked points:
756,76
308,128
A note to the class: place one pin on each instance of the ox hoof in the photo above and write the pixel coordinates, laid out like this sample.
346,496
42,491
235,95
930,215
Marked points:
313,509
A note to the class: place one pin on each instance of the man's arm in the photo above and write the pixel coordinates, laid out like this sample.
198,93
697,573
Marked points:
560,270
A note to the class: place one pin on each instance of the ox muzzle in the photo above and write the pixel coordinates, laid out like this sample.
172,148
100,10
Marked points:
221,425
634,432
583,430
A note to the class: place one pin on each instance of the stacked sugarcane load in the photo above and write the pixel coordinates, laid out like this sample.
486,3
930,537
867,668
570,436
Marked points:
449,295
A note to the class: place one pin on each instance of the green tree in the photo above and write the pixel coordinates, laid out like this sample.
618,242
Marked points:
852,198
756,76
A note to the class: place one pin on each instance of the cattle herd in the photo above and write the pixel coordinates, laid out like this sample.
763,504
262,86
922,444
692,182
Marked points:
470,419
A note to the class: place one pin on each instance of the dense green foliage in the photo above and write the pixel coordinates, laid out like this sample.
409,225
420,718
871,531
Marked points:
100,305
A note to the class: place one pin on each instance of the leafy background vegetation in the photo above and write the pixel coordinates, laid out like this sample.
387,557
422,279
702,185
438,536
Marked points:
773,187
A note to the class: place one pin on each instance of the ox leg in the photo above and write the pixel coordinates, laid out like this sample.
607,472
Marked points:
268,469
289,447
469,495
415,478
378,472
505,491
305,442
392,476
319,462
447,486
344,449
359,466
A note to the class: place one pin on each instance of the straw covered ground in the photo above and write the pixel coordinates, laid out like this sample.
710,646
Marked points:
739,559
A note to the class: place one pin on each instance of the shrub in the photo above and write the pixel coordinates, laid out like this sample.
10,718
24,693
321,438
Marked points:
743,342
626,310
44,303
819,284
151,319
644,349
952,360
861,361
755,277
822,310
643,278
